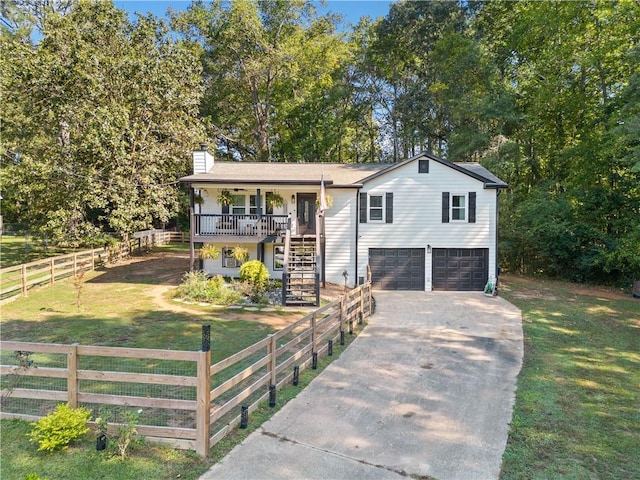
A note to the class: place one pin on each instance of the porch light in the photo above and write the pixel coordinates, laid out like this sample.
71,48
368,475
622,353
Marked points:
293,199
428,248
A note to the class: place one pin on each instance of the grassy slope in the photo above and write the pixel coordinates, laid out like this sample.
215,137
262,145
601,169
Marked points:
577,405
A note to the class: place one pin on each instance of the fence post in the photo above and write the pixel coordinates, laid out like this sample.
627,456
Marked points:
313,333
52,270
24,280
75,264
272,358
72,376
203,394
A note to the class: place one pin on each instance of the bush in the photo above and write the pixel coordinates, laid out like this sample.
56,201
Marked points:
58,429
194,286
256,274
197,287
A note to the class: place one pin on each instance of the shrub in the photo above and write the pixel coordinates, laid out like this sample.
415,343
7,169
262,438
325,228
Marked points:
197,287
194,286
58,429
256,274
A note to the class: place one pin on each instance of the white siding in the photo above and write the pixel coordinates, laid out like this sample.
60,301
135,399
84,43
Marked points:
214,267
202,161
340,227
417,214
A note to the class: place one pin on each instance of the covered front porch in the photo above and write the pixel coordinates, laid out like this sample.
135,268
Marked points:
209,227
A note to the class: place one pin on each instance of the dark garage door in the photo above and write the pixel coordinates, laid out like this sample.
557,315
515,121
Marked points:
460,269
397,268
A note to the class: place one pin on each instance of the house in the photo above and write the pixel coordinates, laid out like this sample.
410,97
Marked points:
422,224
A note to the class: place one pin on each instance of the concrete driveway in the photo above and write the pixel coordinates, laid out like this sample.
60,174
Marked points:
426,390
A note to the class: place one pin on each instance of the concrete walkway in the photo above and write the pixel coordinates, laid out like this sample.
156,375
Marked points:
426,390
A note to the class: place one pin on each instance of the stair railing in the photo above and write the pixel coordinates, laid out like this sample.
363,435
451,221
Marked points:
285,267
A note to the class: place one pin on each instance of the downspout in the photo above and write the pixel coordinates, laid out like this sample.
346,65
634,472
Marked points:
497,268
355,274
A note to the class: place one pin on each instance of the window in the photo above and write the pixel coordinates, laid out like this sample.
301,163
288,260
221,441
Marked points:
278,257
228,260
268,203
253,204
375,208
238,203
423,166
458,207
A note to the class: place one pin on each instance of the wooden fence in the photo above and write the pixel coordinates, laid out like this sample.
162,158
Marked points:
18,280
202,402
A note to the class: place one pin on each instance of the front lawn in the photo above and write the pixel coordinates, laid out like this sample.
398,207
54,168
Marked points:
17,249
577,412
131,304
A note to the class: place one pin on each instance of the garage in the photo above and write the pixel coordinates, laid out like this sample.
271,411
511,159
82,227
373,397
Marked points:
460,269
397,268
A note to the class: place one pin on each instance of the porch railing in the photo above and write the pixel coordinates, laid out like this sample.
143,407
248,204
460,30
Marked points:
239,225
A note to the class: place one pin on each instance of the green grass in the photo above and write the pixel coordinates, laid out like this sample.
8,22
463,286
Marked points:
577,412
17,249
117,308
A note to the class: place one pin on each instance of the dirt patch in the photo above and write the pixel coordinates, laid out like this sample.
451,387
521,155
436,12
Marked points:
537,289
165,269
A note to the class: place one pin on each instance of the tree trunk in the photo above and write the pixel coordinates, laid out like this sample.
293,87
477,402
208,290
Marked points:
636,289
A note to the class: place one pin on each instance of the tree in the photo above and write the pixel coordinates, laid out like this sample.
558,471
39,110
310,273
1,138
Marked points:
570,72
277,80
99,119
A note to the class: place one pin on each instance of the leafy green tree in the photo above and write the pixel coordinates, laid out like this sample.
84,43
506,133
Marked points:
99,119
277,79
569,68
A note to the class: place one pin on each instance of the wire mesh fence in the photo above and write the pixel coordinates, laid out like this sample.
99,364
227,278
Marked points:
177,396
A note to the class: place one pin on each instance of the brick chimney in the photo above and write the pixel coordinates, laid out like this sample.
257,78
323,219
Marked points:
202,160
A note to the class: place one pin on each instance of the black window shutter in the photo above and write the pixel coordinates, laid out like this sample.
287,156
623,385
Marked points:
225,208
389,208
445,207
363,208
472,207
423,166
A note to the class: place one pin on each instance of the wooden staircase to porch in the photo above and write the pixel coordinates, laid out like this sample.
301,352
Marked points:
300,282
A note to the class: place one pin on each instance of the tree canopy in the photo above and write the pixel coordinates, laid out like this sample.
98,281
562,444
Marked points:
100,114
99,119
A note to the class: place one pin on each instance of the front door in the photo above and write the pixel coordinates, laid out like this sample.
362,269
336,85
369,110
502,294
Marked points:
306,213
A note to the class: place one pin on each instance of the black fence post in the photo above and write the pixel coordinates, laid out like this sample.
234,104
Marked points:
330,348
341,337
272,395
244,416
314,361
206,338
296,375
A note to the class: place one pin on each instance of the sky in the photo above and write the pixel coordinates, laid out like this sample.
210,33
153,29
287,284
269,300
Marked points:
351,10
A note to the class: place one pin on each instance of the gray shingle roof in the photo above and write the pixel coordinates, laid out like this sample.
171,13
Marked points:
335,174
